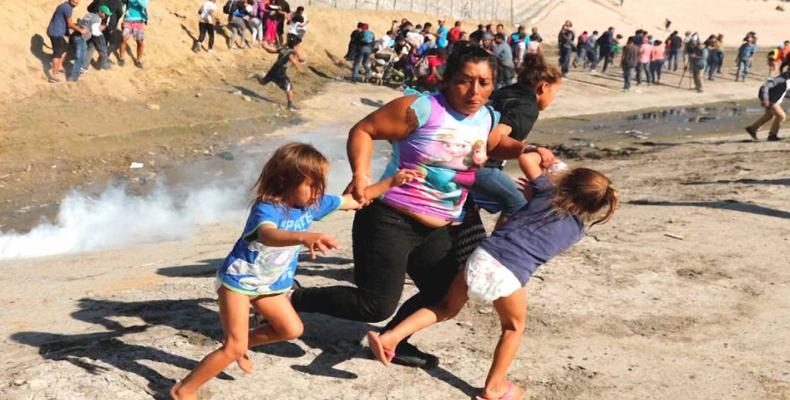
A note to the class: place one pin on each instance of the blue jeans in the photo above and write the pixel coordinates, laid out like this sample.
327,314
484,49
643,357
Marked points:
712,67
80,59
672,60
743,69
642,67
362,57
655,70
627,74
565,60
494,191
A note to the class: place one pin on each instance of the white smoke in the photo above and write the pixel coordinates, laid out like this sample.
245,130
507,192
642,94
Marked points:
116,218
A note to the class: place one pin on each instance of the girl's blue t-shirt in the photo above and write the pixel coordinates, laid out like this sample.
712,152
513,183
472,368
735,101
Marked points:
534,234
254,268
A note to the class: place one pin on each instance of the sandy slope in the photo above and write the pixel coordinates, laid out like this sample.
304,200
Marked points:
171,64
733,18
628,313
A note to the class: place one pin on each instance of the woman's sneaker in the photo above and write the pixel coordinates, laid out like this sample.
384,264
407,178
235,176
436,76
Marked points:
774,138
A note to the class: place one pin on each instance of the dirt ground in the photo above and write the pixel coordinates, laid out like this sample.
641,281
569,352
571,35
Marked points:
685,294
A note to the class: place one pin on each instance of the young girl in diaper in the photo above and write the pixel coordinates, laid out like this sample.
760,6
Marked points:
259,271
497,272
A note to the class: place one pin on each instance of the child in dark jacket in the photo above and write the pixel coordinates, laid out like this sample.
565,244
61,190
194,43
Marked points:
771,95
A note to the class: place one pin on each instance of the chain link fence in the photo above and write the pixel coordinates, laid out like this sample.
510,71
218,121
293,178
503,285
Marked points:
503,10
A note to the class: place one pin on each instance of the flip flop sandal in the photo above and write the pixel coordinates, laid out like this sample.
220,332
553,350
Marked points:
506,396
381,354
173,389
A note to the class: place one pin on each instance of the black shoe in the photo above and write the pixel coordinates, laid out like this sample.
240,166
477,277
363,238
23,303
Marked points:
752,132
408,355
774,138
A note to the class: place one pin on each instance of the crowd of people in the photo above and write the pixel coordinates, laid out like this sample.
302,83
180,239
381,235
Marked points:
644,56
96,31
415,55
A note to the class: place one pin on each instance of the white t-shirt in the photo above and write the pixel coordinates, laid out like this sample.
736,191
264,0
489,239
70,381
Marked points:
298,28
205,10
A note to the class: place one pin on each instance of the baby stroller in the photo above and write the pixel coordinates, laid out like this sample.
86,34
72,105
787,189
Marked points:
385,64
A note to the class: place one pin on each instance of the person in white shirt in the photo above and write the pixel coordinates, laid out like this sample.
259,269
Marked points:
298,22
208,20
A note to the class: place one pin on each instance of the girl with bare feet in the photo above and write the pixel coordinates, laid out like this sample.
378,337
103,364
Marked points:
497,272
259,270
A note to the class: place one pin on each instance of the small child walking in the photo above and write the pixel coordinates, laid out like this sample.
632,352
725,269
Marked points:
259,271
278,73
497,272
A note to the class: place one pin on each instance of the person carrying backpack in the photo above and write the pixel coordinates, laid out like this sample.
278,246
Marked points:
364,50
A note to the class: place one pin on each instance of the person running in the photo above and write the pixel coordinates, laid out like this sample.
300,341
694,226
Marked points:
771,96
590,51
208,19
744,58
605,48
259,271
580,41
520,105
59,26
629,61
447,134
134,21
497,272
278,73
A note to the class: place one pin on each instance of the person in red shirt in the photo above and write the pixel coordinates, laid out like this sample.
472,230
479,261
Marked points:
436,61
455,34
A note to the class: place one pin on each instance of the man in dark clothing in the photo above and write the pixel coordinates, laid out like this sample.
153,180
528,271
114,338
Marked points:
353,42
477,35
605,44
772,93
565,43
629,61
674,44
112,36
